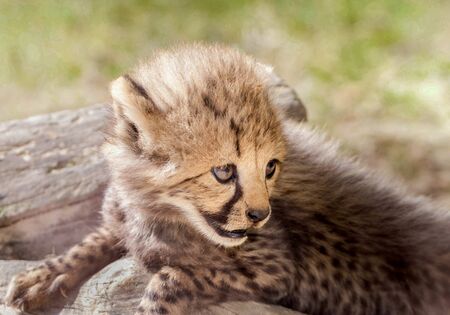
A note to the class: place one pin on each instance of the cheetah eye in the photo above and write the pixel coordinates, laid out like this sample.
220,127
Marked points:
271,168
224,173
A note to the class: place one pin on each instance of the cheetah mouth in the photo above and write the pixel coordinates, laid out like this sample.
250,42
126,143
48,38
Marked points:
231,234
236,234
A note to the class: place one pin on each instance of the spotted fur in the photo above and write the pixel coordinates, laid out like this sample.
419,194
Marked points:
339,239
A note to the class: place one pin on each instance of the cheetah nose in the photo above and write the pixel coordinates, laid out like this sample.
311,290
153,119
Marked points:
257,215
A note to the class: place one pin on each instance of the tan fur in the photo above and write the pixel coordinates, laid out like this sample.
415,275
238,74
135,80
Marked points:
338,240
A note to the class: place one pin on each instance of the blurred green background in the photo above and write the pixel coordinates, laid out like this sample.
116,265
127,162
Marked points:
374,74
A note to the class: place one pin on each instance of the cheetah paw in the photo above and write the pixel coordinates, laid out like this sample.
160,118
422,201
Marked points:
32,289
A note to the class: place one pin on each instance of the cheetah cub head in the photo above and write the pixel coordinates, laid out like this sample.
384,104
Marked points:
197,139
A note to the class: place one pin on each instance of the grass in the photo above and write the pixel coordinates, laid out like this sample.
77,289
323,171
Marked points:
363,68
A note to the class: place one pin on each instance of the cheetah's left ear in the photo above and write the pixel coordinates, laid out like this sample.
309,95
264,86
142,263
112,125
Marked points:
284,98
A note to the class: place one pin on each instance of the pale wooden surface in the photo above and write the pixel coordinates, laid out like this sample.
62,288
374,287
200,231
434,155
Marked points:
50,165
116,290
52,178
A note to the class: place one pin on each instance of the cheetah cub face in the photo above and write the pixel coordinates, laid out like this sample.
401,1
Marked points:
196,141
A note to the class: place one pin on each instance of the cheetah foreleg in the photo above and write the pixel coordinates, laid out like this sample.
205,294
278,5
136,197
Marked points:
33,289
182,290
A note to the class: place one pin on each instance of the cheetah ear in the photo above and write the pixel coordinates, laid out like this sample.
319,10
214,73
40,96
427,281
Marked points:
132,99
133,107
284,98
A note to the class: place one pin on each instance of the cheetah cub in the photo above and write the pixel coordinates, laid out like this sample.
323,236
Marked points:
218,190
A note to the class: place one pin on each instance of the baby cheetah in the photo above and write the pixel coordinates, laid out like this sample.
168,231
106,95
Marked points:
218,190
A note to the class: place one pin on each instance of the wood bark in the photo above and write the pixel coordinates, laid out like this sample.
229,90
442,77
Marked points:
52,179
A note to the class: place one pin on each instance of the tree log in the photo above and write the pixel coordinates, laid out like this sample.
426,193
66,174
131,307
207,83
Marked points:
52,179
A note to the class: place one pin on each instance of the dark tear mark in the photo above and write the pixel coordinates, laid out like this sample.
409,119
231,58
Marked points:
226,209
235,128
222,216
209,104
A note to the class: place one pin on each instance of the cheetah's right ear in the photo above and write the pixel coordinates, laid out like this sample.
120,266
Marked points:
133,107
131,99
284,98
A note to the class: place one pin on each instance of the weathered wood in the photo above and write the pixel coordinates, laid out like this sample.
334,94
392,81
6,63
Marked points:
117,289
52,178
